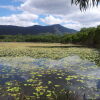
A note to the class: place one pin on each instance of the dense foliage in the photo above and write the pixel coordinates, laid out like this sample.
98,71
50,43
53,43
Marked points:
86,36
84,4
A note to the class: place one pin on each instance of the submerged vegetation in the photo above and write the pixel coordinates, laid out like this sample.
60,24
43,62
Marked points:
42,84
70,78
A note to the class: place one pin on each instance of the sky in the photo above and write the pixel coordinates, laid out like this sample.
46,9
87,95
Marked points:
47,12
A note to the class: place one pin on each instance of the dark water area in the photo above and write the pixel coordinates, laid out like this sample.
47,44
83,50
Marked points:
70,73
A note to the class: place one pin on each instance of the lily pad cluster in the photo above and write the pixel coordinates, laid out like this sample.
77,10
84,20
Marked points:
46,79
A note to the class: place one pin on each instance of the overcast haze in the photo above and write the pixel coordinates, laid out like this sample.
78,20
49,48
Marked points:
47,12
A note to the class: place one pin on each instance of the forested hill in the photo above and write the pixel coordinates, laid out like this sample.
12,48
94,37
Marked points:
34,30
86,36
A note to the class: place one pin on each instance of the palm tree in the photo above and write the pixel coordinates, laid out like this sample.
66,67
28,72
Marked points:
84,4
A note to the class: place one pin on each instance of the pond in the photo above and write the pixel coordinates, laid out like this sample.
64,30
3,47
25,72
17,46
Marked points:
36,77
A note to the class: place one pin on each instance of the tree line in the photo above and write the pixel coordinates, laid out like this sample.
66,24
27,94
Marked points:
86,36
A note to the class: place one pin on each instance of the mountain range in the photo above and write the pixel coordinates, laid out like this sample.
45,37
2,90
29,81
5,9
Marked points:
35,30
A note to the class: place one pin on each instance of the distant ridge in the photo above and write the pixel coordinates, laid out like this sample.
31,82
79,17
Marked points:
35,30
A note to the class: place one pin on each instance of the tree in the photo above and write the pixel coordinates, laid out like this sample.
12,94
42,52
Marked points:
97,37
84,4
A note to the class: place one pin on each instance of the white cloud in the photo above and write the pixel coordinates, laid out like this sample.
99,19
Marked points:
24,19
18,0
48,6
70,15
61,20
51,20
90,18
76,26
10,7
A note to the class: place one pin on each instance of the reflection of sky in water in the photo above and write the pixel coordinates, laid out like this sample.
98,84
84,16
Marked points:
19,67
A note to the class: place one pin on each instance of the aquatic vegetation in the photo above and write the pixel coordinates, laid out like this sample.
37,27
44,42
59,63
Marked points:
33,78
47,50
41,73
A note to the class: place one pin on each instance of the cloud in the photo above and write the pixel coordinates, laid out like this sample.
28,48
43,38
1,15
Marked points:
51,20
76,25
58,7
23,19
18,0
10,7
54,12
90,18
69,13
